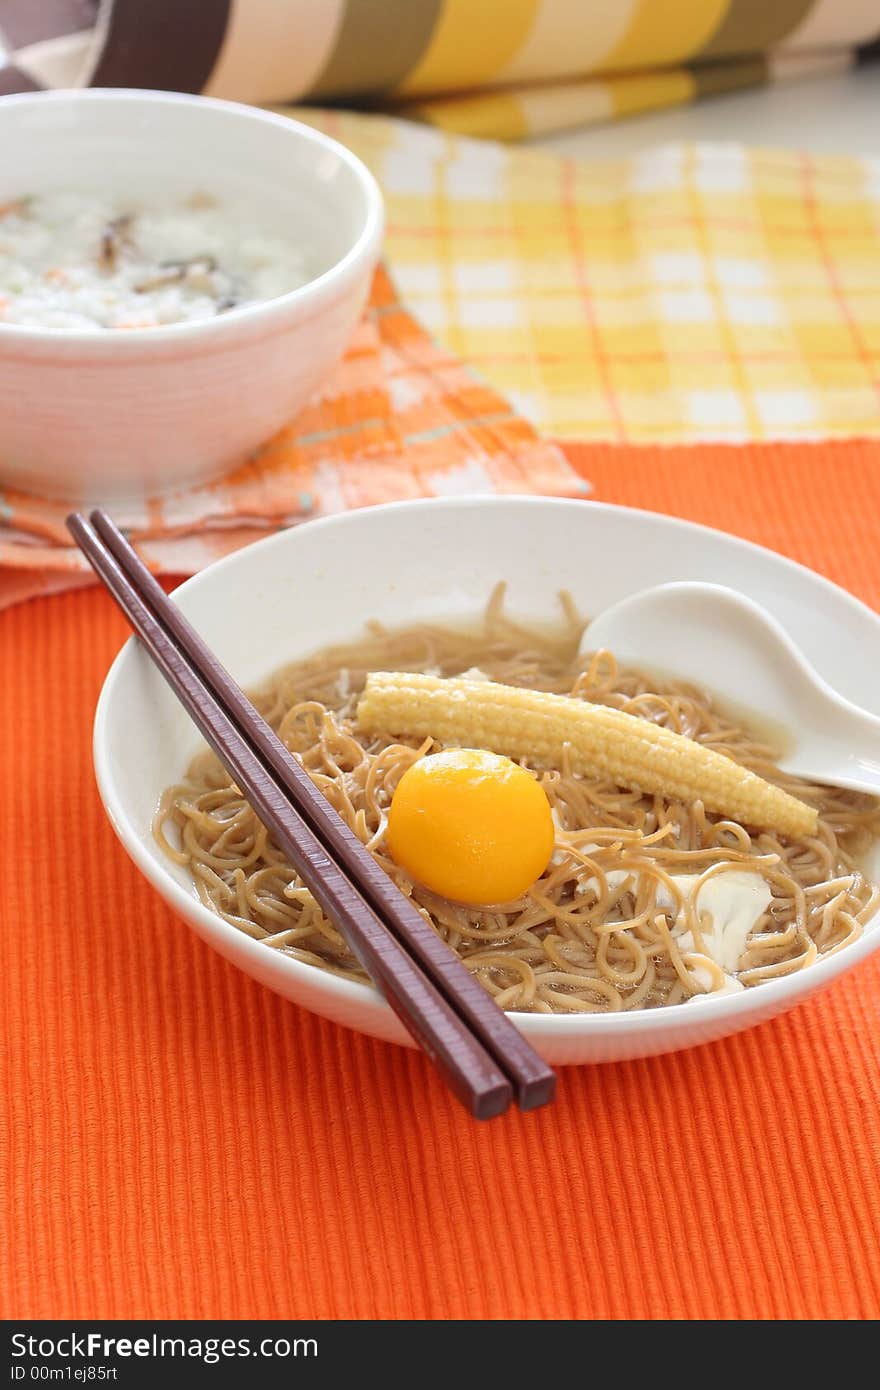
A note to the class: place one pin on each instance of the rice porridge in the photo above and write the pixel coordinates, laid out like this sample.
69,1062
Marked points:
81,261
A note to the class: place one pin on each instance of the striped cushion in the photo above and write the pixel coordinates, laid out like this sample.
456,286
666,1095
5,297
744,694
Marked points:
525,67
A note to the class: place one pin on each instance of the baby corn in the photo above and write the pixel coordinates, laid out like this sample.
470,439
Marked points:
602,742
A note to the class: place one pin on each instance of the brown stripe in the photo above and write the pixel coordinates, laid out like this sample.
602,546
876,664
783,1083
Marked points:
167,44
750,26
377,45
12,79
714,79
30,21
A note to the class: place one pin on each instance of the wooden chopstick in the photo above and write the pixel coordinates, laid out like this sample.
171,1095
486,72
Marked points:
532,1079
466,1065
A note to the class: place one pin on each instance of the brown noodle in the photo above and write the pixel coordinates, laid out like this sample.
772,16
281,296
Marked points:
573,942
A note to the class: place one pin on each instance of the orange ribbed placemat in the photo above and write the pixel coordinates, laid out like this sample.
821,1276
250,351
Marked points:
181,1143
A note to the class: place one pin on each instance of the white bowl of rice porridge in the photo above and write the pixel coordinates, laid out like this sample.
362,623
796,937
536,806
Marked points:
177,276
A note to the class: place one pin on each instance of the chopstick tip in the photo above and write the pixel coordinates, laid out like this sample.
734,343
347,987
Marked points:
538,1091
492,1101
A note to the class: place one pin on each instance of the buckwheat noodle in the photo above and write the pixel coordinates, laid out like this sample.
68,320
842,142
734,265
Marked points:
574,942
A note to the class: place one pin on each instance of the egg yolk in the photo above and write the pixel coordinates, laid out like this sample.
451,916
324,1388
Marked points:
471,826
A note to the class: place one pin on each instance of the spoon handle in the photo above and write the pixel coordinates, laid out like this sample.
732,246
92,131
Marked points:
843,749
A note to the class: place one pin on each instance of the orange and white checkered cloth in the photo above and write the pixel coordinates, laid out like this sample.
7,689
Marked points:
400,417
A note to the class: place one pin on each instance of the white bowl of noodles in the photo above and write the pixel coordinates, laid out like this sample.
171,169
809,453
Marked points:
436,563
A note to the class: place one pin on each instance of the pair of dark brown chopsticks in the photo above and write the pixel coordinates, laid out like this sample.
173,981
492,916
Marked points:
482,1056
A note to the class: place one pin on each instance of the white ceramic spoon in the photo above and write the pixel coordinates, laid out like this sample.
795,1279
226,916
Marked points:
717,638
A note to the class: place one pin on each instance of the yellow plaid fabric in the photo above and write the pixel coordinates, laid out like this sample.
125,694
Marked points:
690,293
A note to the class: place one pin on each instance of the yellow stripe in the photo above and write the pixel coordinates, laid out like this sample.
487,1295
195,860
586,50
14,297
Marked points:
666,31
518,115
486,116
473,40
651,90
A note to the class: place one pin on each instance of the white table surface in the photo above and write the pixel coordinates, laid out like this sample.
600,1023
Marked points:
838,114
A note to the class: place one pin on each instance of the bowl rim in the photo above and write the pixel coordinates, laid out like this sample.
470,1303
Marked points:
671,1021
318,291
